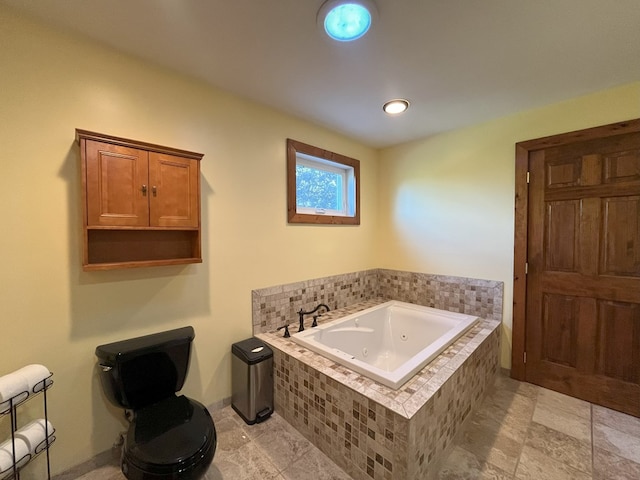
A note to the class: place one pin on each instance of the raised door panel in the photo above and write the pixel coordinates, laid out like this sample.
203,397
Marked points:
618,347
175,191
621,234
623,167
560,317
561,235
116,179
583,290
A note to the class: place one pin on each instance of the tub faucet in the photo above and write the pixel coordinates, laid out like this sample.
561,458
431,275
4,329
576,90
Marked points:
286,330
301,315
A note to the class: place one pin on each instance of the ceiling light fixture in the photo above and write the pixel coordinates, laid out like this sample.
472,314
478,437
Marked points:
346,20
395,107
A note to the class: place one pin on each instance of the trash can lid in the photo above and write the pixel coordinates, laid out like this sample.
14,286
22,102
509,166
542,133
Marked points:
252,350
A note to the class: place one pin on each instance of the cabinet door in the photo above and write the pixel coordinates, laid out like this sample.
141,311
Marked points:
117,185
175,191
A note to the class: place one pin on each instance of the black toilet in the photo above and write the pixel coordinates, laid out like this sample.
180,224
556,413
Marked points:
169,436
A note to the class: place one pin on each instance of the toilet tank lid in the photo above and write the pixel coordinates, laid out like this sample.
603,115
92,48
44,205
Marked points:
137,345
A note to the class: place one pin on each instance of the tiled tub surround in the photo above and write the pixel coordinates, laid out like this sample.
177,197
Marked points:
368,429
276,306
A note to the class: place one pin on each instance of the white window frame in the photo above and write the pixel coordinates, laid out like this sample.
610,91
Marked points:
348,185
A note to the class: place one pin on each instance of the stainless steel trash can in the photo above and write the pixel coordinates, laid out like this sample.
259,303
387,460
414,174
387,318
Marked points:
252,380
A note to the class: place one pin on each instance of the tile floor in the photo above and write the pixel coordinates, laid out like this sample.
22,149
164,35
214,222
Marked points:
521,431
272,450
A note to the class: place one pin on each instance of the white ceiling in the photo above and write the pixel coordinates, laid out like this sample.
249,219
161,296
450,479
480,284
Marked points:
459,62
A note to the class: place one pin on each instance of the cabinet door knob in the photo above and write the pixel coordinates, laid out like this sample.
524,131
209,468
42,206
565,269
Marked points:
144,190
155,191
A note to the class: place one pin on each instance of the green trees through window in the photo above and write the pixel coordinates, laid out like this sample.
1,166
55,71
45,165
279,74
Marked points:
318,189
322,186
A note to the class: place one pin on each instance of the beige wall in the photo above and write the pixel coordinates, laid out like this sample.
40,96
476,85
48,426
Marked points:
447,201
55,314
440,205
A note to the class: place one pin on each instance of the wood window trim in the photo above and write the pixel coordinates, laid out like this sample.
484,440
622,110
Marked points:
293,147
522,154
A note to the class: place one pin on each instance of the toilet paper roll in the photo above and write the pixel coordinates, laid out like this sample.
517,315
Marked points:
6,456
13,386
33,434
35,375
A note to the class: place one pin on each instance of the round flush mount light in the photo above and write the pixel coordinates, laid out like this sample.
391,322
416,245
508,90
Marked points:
395,107
346,20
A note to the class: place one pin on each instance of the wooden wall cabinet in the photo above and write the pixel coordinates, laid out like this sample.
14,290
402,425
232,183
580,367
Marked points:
141,203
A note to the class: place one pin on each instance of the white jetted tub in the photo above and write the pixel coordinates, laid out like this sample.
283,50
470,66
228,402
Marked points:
388,343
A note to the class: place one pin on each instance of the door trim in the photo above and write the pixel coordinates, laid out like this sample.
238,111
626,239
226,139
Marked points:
523,150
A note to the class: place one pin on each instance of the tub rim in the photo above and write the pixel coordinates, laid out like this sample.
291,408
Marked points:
397,378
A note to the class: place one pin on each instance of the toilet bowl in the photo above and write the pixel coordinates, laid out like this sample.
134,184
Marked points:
169,436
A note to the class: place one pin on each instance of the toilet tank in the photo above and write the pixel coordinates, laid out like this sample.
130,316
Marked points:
143,370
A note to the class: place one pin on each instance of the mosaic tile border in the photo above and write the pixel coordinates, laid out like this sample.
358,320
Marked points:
482,298
275,306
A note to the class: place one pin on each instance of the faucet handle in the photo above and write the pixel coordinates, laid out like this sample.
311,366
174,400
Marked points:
286,330
315,321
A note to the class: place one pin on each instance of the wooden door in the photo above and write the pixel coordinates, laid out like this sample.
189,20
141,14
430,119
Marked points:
117,185
175,191
583,281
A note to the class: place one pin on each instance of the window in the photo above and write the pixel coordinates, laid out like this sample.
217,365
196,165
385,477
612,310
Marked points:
322,186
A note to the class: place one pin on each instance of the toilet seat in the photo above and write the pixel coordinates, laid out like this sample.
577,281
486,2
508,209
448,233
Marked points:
169,440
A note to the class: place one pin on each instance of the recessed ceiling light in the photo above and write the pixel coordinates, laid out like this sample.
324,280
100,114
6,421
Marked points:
346,20
394,107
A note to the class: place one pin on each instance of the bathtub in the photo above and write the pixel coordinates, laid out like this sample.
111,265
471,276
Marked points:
388,343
